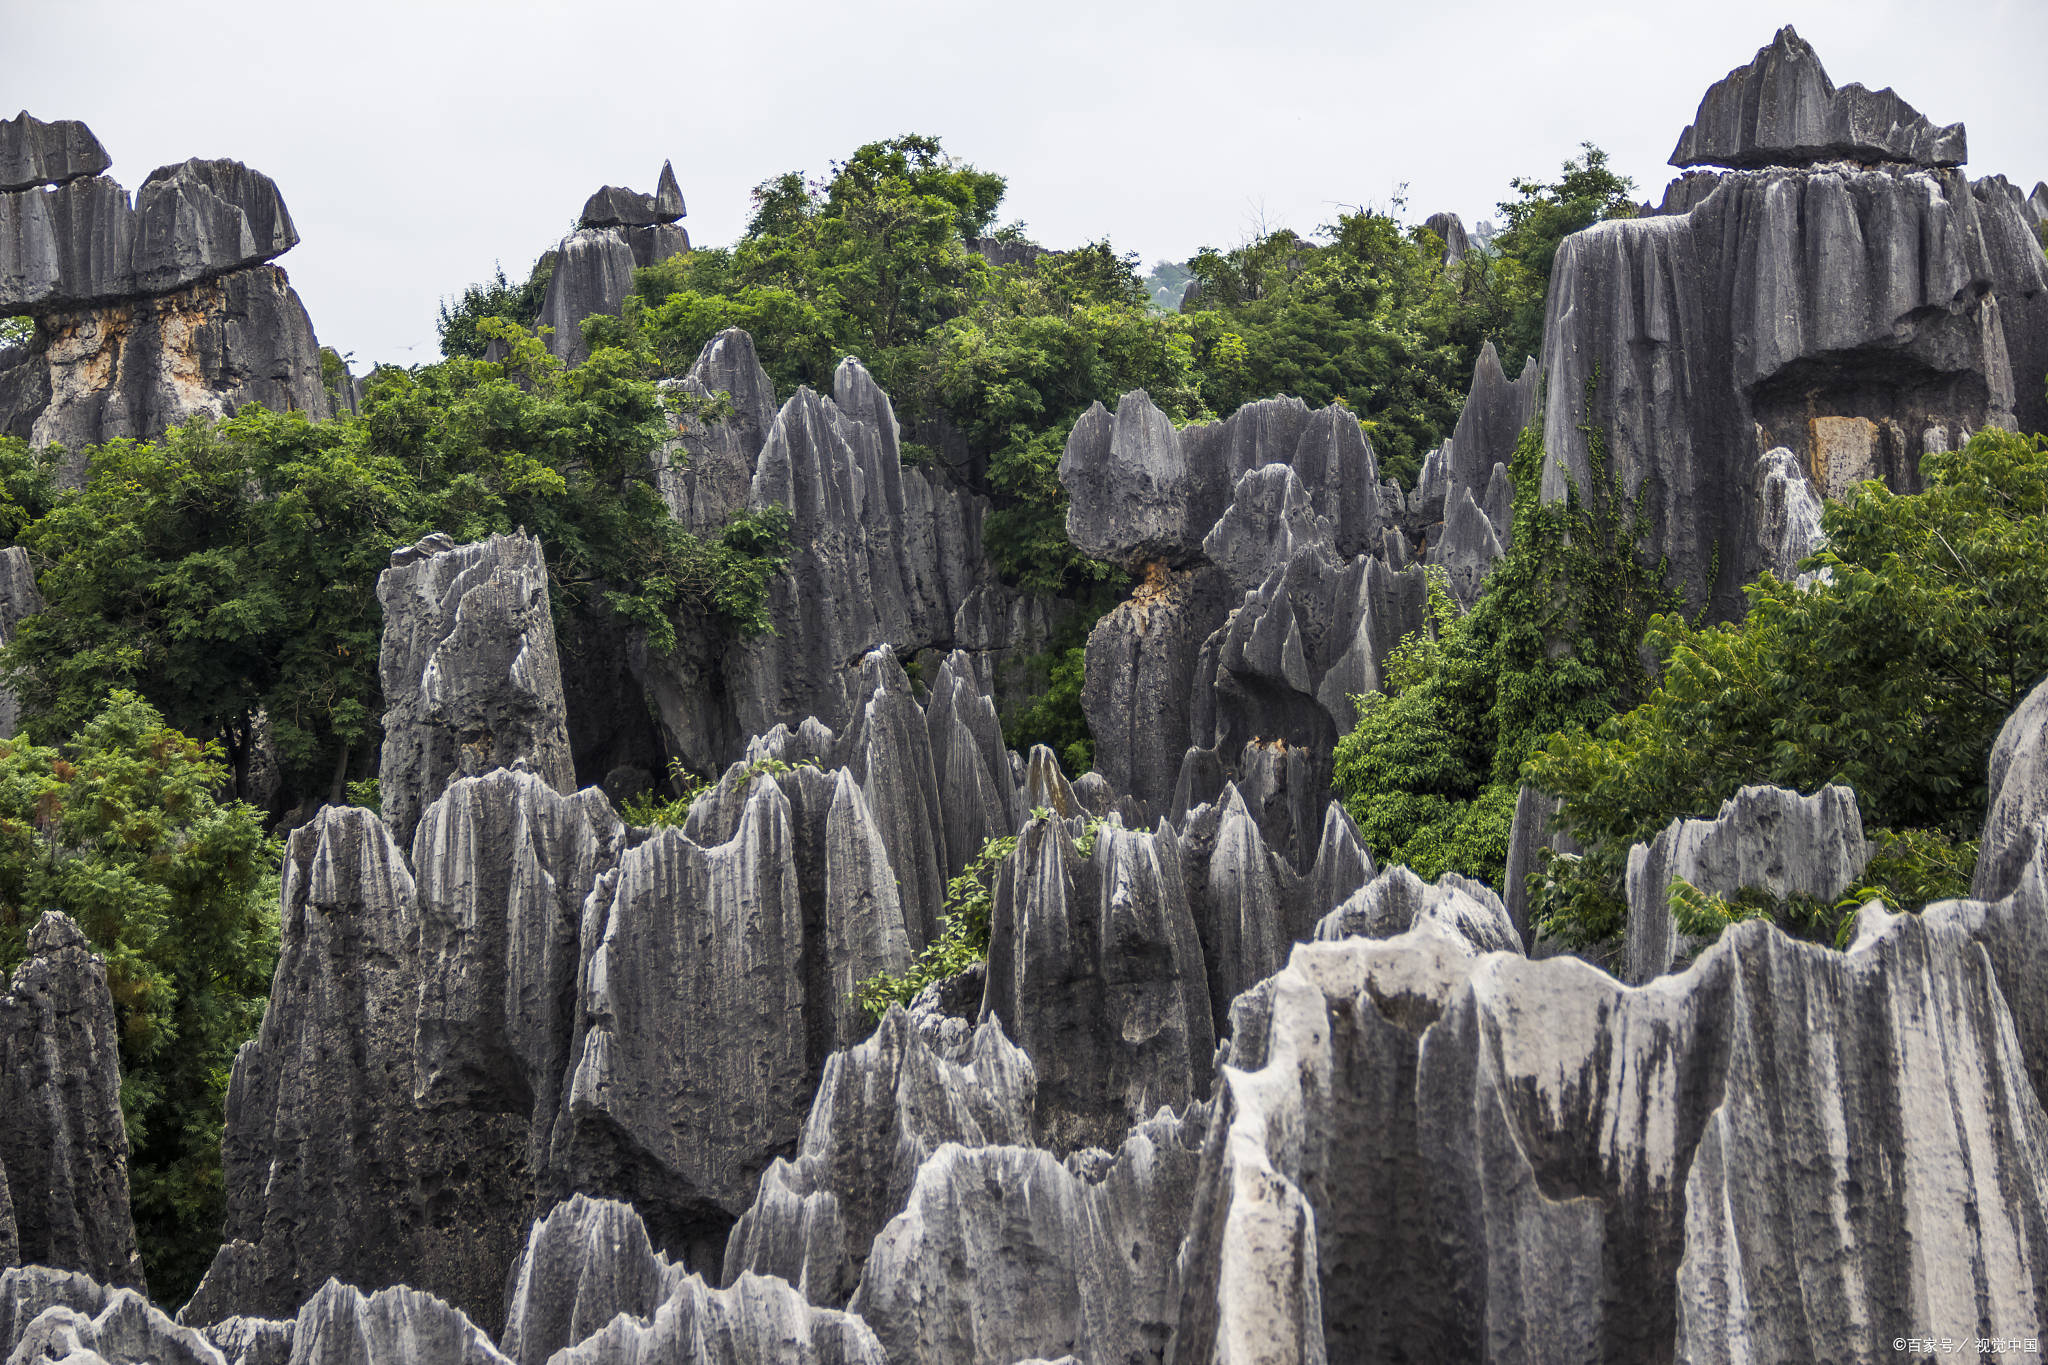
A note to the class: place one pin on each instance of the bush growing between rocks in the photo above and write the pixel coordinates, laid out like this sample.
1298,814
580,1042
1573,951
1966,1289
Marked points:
1891,676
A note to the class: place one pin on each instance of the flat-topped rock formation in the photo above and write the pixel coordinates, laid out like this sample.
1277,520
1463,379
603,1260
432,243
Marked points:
147,310
618,231
1782,110
1846,294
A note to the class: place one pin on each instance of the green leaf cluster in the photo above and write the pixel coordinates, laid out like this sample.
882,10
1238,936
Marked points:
228,571
1891,675
1431,768
459,325
120,828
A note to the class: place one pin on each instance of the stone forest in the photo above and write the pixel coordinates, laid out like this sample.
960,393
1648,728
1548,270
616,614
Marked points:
969,816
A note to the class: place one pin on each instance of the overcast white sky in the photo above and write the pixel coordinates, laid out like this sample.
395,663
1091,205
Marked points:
419,141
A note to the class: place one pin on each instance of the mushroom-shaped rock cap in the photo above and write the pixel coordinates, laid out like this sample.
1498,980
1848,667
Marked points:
1782,110
613,206
34,153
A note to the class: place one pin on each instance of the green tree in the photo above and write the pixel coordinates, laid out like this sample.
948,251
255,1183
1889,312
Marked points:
1551,646
1891,675
223,572
1536,221
16,331
496,297
119,827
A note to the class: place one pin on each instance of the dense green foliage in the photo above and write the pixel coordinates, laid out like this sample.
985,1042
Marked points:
229,570
1891,675
1431,769
120,828
1540,216
15,331
462,336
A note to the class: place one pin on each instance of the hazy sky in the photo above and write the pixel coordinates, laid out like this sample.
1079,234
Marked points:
419,141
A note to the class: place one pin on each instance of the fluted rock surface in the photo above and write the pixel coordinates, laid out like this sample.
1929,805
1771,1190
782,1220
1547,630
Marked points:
137,366
471,680
63,1144
1782,110
1141,491
34,153
1095,969
1788,515
719,967
585,1263
1450,229
1857,315
880,555
757,1321
1250,905
1497,410
1139,690
19,599
1393,902
883,1107
1539,1163
1005,1252
2013,827
1764,839
705,471
341,1325
84,243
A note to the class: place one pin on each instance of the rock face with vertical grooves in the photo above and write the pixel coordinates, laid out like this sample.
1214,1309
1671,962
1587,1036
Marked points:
63,1144
618,231
880,555
585,1263
705,471
757,1321
34,153
149,310
1396,900
882,1108
2013,827
1139,690
126,1329
1765,839
315,1150
1095,969
1539,1163
1782,110
718,972
1250,905
341,1325
1857,315
1141,491
470,676
19,599
1005,1252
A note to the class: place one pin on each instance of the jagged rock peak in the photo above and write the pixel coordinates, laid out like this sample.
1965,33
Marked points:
757,1321
471,679
1763,839
585,1263
1269,522
1396,900
63,1144
341,1325
2014,825
1006,1252
1782,110
1450,228
881,1109
615,207
84,243
125,1329
34,153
